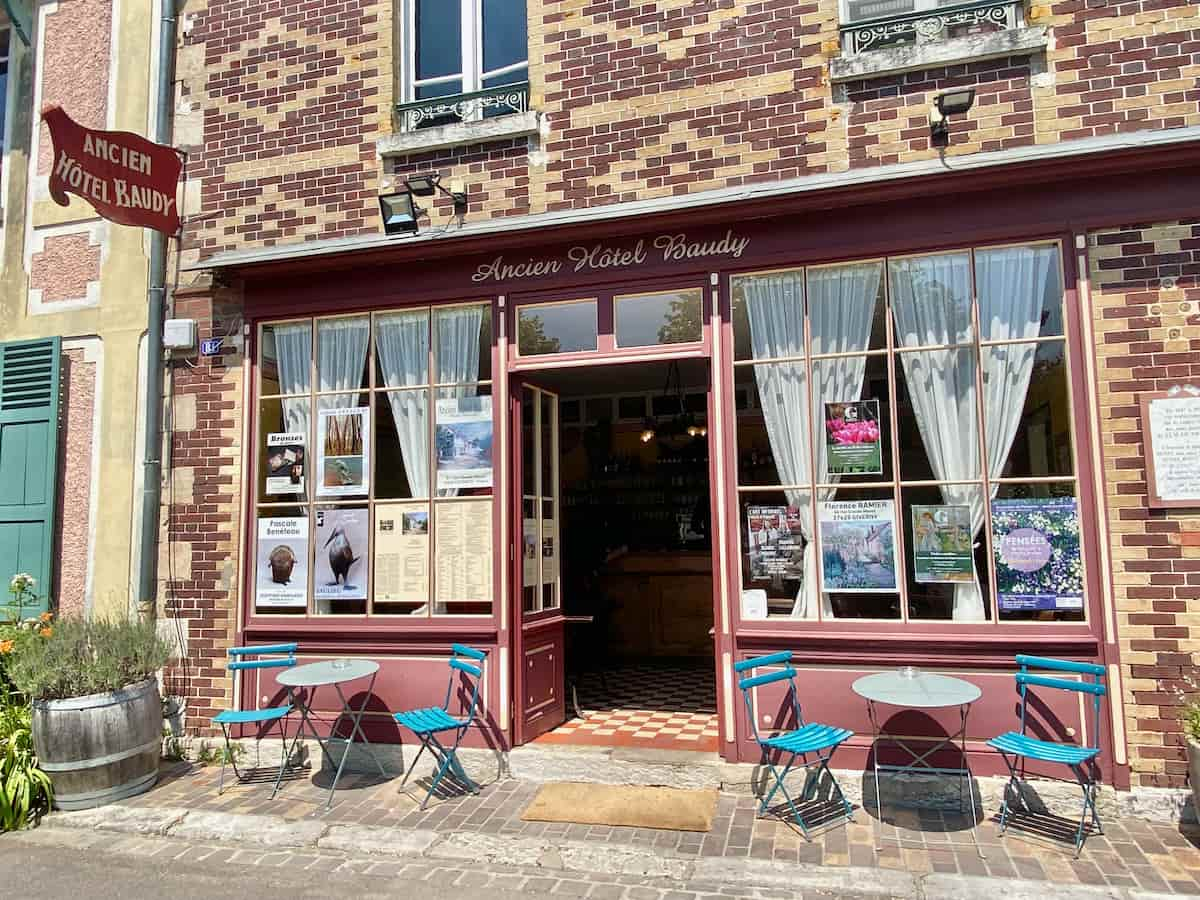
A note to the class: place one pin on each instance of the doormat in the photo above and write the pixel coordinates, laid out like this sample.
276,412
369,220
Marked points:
670,809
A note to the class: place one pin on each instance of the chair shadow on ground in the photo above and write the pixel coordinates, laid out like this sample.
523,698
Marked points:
1032,820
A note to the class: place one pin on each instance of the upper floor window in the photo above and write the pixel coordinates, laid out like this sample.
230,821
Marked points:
456,49
4,33
874,24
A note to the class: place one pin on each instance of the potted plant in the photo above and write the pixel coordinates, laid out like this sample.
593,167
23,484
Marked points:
96,713
25,790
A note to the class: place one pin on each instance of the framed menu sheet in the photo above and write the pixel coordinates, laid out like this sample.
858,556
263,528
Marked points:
1171,430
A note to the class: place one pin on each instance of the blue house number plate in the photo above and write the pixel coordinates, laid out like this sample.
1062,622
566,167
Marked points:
210,347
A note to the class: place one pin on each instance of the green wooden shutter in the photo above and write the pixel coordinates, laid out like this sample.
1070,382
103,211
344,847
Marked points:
29,395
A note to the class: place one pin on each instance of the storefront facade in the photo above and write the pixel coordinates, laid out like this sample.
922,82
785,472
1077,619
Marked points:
963,325
902,361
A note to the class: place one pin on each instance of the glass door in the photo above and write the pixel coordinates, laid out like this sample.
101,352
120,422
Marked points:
539,674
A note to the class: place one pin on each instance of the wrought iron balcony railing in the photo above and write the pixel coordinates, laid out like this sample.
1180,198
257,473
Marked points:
927,25
497,101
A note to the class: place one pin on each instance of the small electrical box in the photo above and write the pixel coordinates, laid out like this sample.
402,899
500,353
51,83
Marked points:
179,334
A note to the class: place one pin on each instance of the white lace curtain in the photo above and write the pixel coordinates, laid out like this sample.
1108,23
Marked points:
293,357
841,308
341,359
931,303
402,347
456,354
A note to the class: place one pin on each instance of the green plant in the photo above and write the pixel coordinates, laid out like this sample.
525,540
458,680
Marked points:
1189,707
79,657
208,754
25,790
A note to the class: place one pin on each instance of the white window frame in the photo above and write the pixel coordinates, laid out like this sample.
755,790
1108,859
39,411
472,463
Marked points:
472,75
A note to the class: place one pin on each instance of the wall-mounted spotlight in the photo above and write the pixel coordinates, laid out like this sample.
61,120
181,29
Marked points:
400,211
948,103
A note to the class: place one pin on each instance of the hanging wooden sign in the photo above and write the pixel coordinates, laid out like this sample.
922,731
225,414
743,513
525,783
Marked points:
125,177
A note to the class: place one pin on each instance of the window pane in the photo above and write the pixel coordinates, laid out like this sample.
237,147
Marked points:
773,438
503,33
402,434
402,348
846,311
938,415
464,441
439,38
776,530
1036,550
342,353
282,561
284,460
556,328
341,551
852,421
946,557
667,318
1020,292
402,543
462,344
858,547
598,409
632,409
1027,408
931,299
286,358
768,315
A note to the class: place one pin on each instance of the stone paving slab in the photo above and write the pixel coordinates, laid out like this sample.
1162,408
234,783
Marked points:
1132,855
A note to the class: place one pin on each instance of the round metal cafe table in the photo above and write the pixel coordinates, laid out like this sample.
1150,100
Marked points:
334,672
911,689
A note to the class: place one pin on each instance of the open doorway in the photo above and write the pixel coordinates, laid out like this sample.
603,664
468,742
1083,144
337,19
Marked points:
636,555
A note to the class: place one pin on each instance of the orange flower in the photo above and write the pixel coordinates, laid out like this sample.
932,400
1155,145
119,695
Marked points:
6,646
46,632
45,617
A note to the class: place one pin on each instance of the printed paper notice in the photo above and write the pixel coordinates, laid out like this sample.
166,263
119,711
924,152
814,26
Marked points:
281,565
852,438
464,443
402,553
942,551
529,552
341,535
1038,563
285,463
344,451
858,546
1175,440
463,545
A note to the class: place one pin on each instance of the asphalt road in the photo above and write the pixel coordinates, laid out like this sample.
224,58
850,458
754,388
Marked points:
37,872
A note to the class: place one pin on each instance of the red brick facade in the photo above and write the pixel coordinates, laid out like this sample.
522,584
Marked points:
654,100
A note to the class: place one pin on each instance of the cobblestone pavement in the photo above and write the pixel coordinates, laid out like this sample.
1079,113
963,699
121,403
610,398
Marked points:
1131,854
126,867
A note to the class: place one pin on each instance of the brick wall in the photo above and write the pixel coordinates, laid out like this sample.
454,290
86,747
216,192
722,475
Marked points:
1146,301
282,109
198,553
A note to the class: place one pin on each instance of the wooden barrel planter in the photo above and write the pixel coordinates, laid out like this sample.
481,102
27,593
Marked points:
100,748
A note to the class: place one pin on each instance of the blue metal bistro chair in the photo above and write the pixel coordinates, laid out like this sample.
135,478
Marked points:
821,741
428,723
243,659
1017,748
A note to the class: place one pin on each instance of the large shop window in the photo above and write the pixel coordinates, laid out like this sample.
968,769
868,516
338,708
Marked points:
912,459
461,47
375,465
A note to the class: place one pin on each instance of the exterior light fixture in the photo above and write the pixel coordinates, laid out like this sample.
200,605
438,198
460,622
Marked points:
648,430
400,213
423,185
948,103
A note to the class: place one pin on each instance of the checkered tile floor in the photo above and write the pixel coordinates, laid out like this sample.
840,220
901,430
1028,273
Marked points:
666,706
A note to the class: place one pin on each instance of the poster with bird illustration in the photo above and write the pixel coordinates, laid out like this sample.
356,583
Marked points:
341,538
344,452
